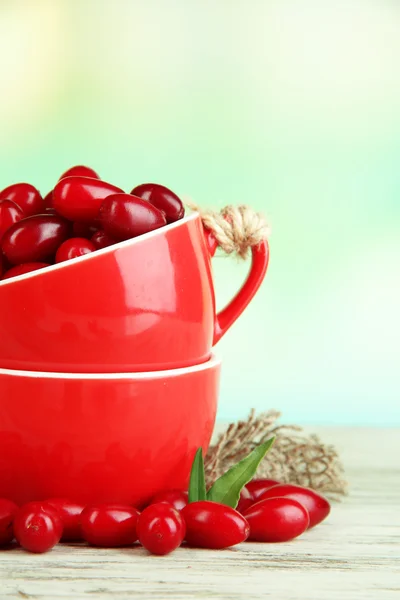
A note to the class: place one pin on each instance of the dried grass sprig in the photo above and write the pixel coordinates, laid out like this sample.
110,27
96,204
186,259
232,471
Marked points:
295,456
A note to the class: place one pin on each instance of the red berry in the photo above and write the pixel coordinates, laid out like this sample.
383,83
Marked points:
80,198
37,527
124,216
73,248
276,520
162,198
109,525
23,269
177,498
213,525
25,196
10,213
8,510
245,500
48,200
70,513
257,487
83,230
101,240
161,528
49,210
79,171
34,239
316,505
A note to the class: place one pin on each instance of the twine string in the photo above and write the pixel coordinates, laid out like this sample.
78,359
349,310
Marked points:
236,228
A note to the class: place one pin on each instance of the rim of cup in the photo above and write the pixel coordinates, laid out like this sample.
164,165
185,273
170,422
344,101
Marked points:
109,249
212,363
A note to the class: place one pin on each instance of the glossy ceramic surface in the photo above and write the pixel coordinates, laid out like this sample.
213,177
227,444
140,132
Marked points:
142,305
112,438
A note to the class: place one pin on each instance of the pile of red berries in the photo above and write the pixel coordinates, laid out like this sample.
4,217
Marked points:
80,215
267,512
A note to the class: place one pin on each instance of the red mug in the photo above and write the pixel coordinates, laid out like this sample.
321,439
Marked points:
103,438
145,304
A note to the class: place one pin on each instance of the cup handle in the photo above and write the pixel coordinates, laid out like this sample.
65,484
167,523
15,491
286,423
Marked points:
259,264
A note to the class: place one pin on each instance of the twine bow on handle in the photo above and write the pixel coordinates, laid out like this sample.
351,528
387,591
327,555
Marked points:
236,229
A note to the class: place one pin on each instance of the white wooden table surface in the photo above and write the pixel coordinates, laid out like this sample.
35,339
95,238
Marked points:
354,555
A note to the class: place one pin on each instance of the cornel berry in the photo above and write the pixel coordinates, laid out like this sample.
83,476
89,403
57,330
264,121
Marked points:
79,198
70,513
213,525
101,240
109,525
73,248
34,239
257,487
276,520
245,500
177,498
80,171
25,196
161,528
10,213
84,230
123,216
37,527
162,198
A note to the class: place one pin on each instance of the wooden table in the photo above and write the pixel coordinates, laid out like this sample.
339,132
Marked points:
355,555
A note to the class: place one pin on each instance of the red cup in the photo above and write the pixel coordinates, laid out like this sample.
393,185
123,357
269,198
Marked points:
103,438
142,305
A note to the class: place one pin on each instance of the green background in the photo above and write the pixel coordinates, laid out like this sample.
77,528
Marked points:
289,106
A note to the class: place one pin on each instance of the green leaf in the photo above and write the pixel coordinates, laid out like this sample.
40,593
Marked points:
197,485
226,489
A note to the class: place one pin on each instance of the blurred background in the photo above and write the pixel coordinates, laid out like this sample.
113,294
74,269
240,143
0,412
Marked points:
292,107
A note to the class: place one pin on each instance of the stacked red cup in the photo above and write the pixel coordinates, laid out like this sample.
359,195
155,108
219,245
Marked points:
108,384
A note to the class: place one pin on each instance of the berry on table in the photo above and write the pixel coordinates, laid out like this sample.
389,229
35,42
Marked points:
70,513
245,500
161,528
37,527
276,520
109,525
213,525
257,487
177,498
